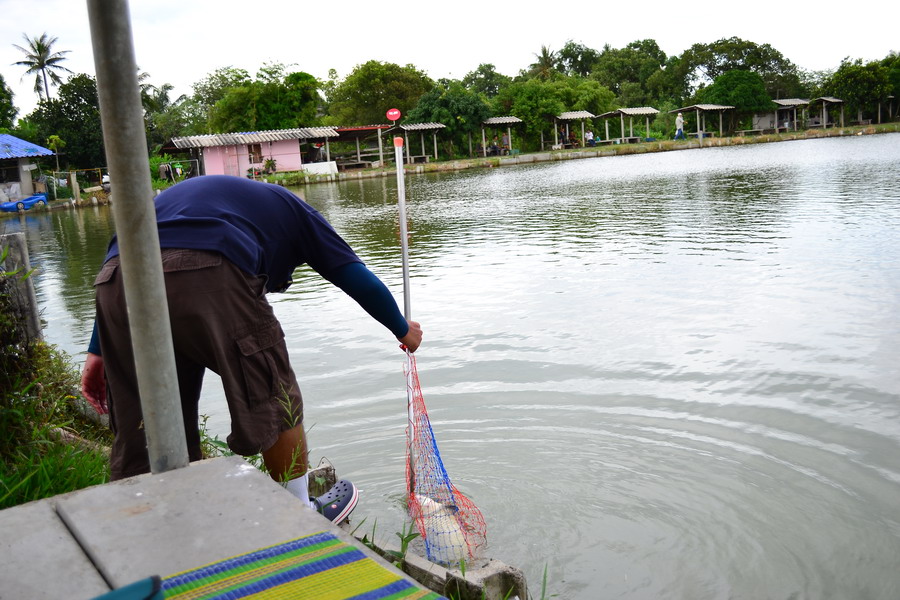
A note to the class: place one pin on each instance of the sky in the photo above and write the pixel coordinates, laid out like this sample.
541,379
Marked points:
179,42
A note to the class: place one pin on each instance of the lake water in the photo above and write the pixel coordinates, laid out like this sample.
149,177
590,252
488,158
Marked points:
671,375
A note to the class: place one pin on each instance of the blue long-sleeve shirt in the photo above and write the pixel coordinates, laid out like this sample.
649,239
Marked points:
266,231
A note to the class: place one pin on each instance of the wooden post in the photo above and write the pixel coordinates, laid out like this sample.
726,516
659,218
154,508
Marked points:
23,296
484,143
509,131
699,128
606,124
622,128
582,133
358,157
720,122
434,136
73,185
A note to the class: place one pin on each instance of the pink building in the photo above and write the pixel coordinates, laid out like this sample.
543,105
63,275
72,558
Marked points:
241,153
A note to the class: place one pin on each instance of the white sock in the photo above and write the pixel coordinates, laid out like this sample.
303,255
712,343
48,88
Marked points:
299,487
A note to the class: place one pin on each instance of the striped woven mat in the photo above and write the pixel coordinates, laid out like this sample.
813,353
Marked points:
318,566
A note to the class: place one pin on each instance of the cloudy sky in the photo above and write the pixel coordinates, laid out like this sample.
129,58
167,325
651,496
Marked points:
181,41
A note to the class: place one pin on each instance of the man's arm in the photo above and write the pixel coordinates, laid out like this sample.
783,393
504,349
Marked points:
93,378
362,285
93,383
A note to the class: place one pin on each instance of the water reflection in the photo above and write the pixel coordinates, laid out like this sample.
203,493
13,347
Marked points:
661,376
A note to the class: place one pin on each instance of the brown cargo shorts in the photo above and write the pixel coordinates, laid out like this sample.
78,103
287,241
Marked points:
221,321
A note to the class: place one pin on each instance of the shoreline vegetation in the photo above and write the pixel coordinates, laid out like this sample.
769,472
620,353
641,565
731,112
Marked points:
295,178
99,195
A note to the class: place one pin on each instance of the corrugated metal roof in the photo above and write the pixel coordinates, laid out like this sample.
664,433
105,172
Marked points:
828,99
639,111
575,114
502,121
367,128
631,112
791,102
13,147
702,107
253,137
422,126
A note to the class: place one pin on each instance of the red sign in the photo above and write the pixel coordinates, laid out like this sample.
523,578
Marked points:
393,114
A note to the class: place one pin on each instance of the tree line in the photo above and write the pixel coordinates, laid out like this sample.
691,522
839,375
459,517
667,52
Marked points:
729,71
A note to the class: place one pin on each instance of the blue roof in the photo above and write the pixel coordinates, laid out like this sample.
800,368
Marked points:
13,147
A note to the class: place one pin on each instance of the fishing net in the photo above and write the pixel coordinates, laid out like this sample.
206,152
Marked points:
451,526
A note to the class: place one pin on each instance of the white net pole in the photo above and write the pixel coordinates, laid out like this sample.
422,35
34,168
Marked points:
407,309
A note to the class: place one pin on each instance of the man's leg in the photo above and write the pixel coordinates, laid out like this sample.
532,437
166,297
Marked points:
287,459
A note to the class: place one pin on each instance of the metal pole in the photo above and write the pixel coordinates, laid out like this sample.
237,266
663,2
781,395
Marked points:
404,243
407,309
135,218
380,150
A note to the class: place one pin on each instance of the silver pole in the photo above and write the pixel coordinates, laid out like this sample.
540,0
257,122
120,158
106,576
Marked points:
407,312
135,218
404,243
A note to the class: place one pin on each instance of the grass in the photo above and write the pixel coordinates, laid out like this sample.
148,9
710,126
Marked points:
40,428
40,413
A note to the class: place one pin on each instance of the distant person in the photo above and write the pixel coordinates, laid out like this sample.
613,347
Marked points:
589,136
679,127
225,243
504,141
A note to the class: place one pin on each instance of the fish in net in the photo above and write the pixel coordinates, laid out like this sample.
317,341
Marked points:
451,526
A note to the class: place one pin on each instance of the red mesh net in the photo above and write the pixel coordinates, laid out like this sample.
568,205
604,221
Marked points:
450,524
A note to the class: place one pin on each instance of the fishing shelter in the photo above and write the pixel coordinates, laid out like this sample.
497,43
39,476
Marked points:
421,129
631,113
365,156
786,112
826,100
566,117
498,122
701,110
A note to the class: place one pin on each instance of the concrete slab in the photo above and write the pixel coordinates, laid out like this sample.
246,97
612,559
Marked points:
171,522
41,561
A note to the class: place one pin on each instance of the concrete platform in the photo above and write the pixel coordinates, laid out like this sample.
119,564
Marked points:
83,544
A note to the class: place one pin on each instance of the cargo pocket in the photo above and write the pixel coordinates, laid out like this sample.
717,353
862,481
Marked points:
258,364
107,271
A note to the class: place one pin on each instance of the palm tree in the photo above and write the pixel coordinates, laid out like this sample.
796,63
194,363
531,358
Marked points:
156,99
56,143
43,62
546,65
